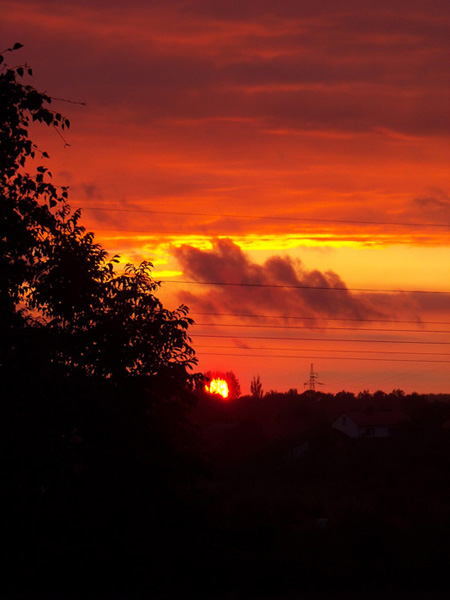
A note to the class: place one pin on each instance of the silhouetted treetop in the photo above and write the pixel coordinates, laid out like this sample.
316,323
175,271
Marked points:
54,276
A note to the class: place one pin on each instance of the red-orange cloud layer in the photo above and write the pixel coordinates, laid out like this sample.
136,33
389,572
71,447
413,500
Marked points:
323,127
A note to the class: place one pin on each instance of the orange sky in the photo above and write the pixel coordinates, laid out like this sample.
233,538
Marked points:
265,143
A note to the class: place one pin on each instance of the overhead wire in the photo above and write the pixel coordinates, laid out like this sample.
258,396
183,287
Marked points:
309,339
305,287
317,353
339,350
314,327
332,358
320,318
264,218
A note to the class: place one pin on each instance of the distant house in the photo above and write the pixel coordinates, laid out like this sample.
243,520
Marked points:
376,424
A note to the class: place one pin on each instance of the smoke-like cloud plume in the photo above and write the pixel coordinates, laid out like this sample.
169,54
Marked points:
280,286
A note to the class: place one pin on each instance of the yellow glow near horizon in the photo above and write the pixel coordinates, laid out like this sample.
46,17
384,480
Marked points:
218,386
360,263
158,274
158,244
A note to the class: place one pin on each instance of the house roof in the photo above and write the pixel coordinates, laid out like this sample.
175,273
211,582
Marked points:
379,418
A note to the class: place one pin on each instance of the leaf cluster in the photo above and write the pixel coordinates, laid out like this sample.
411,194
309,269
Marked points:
54,274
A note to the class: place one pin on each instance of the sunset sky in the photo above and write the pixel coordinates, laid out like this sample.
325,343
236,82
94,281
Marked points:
278,144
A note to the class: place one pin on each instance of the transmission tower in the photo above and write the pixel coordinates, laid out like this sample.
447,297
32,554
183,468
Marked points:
312,379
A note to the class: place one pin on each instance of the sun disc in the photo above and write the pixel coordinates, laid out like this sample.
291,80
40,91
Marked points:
218,386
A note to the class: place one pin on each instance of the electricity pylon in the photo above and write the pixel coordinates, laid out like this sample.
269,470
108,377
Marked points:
313,379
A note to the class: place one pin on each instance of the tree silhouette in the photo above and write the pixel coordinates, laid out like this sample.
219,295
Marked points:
256,387
54,275
96,374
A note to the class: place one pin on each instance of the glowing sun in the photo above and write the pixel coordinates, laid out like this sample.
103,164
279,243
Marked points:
218,386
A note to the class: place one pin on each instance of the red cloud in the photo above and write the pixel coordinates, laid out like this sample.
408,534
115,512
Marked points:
227,263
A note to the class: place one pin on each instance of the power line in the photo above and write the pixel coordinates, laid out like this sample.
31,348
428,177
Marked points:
333,358
304,287
263,218
320,328
271,349
298,317
249,337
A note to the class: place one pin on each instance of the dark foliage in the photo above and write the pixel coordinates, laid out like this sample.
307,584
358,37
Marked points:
297,508
256,389
98,460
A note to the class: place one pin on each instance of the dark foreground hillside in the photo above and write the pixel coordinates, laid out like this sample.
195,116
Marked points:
319,513
238,509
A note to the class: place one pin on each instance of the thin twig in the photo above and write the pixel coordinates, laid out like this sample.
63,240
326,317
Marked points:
66,143
69,101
